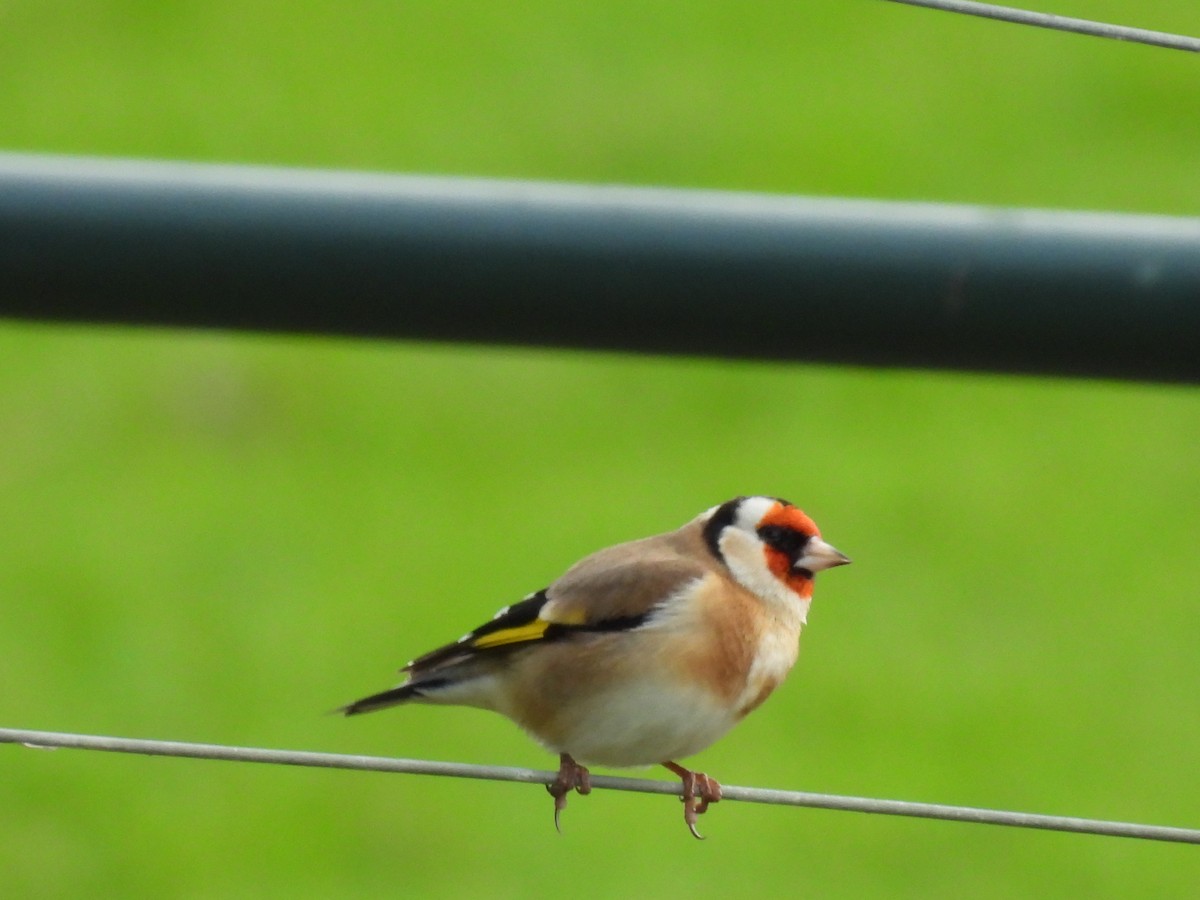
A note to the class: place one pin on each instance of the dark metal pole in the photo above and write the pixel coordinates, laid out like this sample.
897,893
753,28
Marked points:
648,270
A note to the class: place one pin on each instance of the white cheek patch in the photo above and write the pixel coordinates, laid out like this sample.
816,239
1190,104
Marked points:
743,554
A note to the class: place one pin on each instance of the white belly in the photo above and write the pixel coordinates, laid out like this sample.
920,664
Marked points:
659,693
641,726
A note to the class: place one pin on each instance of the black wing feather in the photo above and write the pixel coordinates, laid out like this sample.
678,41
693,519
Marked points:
423,672
513,617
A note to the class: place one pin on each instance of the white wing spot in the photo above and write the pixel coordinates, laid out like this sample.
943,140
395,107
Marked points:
464,638
502,612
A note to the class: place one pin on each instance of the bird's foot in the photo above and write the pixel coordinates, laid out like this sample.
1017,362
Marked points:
571,776
699,790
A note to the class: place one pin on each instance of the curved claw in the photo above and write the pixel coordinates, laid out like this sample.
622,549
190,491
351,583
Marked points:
571,776
699,790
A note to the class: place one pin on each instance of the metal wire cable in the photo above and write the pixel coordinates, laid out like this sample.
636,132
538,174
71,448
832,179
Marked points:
1062,23
54,739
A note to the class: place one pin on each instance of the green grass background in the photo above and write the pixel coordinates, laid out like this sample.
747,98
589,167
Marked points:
219,537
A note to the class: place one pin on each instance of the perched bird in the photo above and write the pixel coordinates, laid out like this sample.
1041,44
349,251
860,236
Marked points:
642,653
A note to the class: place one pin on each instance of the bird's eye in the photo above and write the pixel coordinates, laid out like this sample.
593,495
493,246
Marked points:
785,540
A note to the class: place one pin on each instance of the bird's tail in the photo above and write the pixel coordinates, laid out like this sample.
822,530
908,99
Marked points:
382,700
393,697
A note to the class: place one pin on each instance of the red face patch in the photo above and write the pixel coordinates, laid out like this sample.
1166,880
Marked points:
788,516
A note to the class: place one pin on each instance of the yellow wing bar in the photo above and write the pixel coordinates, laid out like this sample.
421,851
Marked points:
531,631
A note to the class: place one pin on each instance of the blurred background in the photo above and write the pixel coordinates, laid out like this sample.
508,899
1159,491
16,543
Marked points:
220,537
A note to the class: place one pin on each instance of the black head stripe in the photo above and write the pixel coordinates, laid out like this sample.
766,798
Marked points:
721,519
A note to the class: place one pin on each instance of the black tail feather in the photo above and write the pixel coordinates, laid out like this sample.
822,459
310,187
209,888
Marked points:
393,697
381,700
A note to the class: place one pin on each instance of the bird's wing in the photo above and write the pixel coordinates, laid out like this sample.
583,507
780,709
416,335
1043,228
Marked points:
627,581
614,590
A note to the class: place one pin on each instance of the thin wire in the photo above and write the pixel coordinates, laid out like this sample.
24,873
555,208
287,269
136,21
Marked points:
1062,23
54,739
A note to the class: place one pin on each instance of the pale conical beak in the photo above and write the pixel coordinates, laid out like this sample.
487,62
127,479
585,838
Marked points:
819,555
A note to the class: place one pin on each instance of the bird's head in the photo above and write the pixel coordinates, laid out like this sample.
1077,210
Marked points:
772,548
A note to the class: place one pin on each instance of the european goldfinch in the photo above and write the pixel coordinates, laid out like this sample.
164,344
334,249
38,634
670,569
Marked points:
642,653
